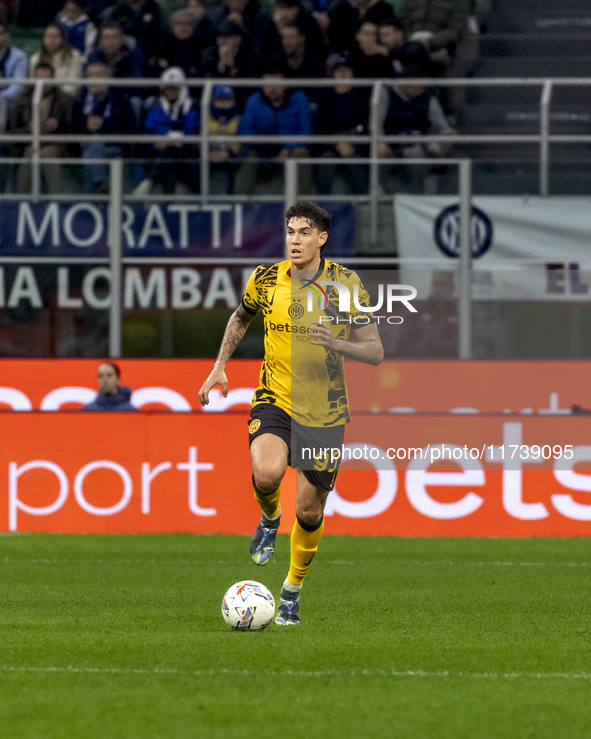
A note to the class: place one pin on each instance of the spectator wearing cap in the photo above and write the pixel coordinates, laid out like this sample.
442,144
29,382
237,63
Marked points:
175,166
347,15
223,121
76,26
273,111
233,57
248,14
410,109
342,110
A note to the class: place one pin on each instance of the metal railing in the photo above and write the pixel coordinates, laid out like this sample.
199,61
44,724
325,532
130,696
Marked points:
116,260
544,139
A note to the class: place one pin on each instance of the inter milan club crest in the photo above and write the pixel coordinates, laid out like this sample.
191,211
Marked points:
295,310
254,425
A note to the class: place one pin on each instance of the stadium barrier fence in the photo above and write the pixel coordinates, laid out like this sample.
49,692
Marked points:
372,202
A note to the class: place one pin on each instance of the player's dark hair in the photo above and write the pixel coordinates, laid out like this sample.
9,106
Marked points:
313,213
115,367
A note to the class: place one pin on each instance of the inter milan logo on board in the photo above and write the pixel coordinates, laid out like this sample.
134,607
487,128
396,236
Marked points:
446,231
295,310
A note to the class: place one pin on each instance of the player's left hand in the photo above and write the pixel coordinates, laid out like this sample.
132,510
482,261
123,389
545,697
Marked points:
321,335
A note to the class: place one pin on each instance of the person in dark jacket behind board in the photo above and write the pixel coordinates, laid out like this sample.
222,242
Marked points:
111,395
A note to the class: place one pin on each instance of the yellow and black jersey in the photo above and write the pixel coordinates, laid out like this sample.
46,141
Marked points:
306,380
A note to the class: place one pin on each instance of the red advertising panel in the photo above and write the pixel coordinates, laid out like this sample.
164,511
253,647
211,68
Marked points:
526,387
481,449
125,472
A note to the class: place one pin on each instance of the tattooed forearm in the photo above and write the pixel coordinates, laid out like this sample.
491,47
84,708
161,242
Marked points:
235,330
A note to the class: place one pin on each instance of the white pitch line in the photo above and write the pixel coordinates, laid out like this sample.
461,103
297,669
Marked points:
453,563
425,563
234,562
55,561
387,673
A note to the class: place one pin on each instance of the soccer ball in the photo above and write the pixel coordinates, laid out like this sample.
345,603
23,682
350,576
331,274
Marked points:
248,606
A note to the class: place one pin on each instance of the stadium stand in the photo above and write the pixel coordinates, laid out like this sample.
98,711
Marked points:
533,38
27,36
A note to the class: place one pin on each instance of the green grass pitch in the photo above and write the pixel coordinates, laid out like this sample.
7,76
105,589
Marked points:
122,636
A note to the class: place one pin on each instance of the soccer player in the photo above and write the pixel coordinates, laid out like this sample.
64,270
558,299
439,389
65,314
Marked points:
301,402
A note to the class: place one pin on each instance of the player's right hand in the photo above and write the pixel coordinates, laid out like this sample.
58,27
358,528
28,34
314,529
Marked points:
216,377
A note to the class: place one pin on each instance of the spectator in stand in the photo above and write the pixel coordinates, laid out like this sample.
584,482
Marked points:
175,167
123,55
181,47
292,11
56,112
5,101
125,59
79,30
111,395
411,109
346,17
233,57
274,111
204,33
342,110
318,9
369,59
247,14
297,60
223,121
105,110
13,64
401,52
144,21
438,25
57,52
